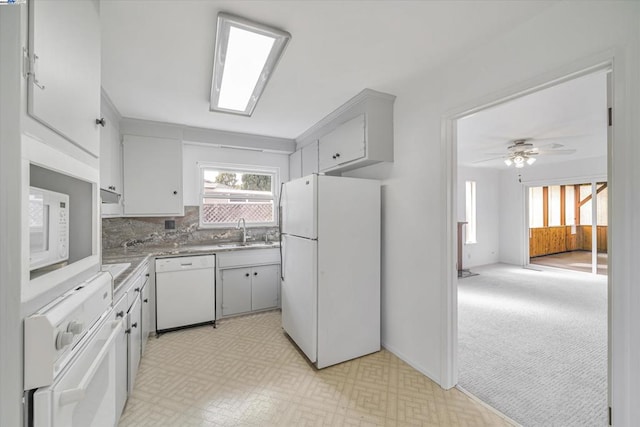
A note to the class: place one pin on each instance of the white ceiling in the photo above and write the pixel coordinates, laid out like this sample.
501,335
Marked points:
157,55
572,114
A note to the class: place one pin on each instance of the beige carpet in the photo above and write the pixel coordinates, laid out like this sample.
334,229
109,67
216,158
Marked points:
247,373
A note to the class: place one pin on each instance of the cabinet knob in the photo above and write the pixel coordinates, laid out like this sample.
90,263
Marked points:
175,192
146,275
101,121
120,314
137,289
247,275
334,157
337,154
134,325
146,300
255,273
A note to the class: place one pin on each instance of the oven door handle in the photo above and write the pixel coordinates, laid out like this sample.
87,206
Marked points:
75,394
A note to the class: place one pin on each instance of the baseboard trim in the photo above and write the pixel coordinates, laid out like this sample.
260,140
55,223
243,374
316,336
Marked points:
487,406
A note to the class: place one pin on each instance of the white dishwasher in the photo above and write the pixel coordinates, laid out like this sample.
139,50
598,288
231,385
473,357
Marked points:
185,292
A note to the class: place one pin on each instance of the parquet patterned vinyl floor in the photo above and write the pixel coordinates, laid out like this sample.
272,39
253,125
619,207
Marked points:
248,373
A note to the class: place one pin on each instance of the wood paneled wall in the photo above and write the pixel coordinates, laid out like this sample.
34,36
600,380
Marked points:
586,238
553,240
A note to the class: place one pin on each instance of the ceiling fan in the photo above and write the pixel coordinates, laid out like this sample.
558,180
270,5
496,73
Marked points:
521,151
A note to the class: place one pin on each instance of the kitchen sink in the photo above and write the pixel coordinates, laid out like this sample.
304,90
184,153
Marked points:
116,269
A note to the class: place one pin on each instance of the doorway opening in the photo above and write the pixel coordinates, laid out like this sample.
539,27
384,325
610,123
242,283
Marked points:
533,343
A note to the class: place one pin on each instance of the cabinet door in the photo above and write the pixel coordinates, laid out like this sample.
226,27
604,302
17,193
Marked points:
111,166
145,316
134,330
120,313
264,287
152,176
236,291
344,144
64,94
310,158
295,165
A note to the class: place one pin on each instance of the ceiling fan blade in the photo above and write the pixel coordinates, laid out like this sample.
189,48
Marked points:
553,152
488,160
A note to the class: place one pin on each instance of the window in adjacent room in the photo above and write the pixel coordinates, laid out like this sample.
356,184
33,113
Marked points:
536,207
570,205
555,206
470,212
230,193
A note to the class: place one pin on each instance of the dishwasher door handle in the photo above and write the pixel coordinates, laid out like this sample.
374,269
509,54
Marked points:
186,264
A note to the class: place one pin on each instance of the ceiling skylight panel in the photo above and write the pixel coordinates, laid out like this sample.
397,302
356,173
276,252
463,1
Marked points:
246,54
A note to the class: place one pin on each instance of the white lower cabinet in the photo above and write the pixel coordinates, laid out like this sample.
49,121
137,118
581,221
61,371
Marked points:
247,281
120,313
249,289
133,310
134,330
265,283
236,291
145,315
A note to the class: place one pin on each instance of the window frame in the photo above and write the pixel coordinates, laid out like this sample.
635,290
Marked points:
238,168
471,212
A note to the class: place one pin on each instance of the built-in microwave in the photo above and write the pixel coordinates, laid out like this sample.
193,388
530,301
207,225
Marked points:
48,227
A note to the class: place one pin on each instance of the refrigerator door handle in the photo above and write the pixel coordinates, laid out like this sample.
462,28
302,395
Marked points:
280,229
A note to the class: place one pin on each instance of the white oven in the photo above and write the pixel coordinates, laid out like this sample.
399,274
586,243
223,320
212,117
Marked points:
48,227
70,359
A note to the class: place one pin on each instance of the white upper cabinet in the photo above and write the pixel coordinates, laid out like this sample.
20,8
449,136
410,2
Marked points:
295,165
64,69
343,145
357,134
111,165
152,176
310,158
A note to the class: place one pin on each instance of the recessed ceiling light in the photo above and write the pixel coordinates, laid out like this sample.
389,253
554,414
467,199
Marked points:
246,54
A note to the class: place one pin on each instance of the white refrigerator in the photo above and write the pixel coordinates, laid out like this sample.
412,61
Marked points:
330,242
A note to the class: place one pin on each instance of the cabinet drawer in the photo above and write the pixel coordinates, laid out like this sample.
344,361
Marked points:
248,257
136,287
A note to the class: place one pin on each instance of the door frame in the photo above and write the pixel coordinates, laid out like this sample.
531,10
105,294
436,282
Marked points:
449,299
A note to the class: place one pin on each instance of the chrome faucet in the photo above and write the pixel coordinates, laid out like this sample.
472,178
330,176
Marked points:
244,230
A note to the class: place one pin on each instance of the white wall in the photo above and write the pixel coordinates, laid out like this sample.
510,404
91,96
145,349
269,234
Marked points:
193,153
513,183
565,38
10,205
486,249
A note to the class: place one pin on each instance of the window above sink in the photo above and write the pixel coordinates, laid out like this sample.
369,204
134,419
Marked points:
231,192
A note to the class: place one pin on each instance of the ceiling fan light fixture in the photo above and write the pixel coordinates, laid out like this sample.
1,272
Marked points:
518,160
519,165
531,160
246,53
508,162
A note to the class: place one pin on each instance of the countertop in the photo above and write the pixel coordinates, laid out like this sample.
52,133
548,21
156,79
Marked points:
137,255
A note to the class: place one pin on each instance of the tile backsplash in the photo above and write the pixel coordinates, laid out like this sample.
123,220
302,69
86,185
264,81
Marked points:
137,231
